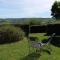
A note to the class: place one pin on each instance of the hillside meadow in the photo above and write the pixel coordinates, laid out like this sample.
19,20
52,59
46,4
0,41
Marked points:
20,50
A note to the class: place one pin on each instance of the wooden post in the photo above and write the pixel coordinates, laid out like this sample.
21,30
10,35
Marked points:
29,39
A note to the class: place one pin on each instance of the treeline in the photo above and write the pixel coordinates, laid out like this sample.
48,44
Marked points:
50,28
37,21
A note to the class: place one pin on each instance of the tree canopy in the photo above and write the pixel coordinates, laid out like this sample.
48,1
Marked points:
55,10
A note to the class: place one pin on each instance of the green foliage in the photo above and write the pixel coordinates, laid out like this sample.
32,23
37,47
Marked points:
34,22
20,51
56,10
10,34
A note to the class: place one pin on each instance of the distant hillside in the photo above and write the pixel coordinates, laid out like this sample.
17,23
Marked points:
24,20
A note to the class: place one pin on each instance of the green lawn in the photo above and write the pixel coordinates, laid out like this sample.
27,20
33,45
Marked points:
20,51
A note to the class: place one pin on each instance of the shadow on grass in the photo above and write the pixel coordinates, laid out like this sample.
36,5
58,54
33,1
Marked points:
32,56
33,38
47,51
35,56
56,41
48,34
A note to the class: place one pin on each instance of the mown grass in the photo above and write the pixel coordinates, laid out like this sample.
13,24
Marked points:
14,51
20,51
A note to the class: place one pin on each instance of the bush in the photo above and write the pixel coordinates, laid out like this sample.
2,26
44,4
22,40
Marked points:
10,34
34,22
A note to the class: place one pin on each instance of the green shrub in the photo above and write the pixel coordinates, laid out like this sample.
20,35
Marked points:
10,34
34,22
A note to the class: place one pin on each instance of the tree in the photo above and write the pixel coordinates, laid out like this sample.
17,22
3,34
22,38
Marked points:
55,10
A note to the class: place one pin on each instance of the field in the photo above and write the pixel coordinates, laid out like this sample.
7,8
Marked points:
20,51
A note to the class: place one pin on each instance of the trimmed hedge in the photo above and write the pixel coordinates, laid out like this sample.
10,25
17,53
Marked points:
10,34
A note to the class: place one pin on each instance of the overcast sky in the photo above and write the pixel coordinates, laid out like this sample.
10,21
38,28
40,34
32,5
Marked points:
25,8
